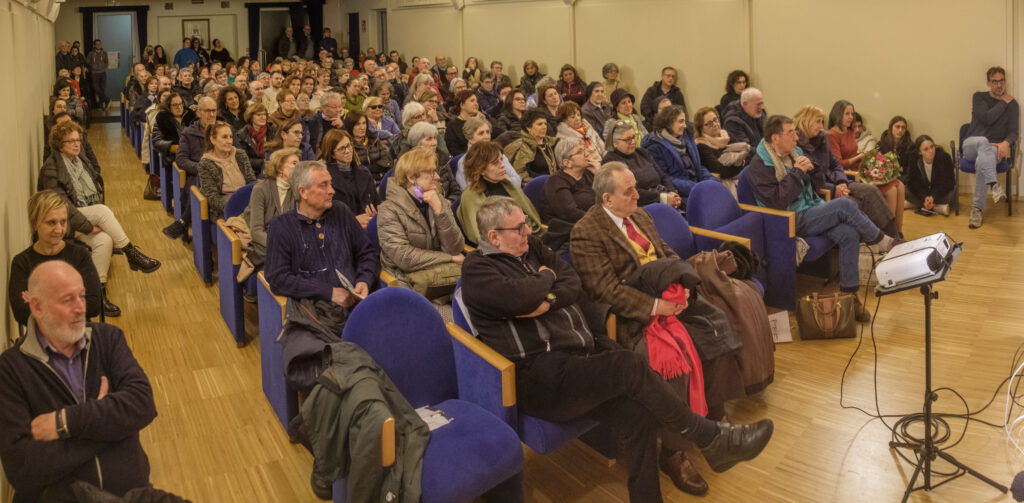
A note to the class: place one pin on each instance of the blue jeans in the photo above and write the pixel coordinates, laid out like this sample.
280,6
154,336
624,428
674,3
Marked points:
984,154
847,226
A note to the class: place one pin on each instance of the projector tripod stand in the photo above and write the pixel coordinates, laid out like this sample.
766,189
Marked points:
925,448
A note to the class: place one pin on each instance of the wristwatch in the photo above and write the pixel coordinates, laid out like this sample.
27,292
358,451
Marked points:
551,298
62,427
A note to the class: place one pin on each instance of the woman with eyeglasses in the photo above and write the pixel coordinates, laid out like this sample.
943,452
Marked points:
511,113
424,135
485,173
533,153
674,151
252,138
289,135
435,114
653,185
223,169
369,149
353,184
569,193
420,242
379,123
172,118
572,125
622,104
717,152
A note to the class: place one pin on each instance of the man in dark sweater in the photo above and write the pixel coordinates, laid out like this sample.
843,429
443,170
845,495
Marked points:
522,300
665,87
72,398
744,118
994,117
308,247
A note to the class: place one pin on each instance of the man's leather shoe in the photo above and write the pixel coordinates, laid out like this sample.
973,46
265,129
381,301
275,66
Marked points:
736,443
682,472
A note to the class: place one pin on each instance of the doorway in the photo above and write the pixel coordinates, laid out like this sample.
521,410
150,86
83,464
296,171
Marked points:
382,33
353,36
117,31
272,25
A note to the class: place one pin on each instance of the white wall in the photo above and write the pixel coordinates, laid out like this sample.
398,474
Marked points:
26,44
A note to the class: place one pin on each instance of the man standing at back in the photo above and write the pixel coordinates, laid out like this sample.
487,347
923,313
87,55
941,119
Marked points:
97,61
665,87
993,129
186,54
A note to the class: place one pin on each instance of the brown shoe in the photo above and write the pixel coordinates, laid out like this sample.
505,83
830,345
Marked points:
682,472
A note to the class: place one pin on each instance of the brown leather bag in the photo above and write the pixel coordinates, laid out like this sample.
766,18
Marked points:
828,317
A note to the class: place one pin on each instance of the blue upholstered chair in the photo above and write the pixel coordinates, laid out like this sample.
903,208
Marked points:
283,400
166,183
124,116
150,162
229,261
139,134
382,187
967,166
534,190
371,233
465,458
179,182
817,261
202,236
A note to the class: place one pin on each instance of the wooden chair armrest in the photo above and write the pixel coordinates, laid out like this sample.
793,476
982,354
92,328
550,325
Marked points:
280,300
492,357
721,236
236,244
852,174
466,248
779,213
204,205
388,278
826,194
610,327
717,176
387,442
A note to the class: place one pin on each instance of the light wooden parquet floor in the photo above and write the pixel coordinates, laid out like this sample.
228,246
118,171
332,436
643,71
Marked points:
216,439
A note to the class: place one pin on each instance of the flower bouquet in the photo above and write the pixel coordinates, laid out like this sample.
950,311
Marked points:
880,169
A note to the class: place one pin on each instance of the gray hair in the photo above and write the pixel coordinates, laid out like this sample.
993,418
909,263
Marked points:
564,148
472,124
614,133
456,80
609,67
419,131
492,212
547,79
301,175
329,95
412,109
749,94
201,100
422,78
263,76
604,179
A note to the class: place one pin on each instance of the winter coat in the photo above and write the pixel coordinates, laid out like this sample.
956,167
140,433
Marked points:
596,143
827,172
374,154
354,188
245,142
264,206
523,153
795,192
104,447
574,91
54,176
597,115
211,178
741,126
408,241
310,325
529,82
473,198
648,107
190,148
651,181
684,176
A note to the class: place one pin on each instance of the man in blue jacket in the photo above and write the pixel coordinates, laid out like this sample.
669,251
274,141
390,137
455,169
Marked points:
72,398
994,117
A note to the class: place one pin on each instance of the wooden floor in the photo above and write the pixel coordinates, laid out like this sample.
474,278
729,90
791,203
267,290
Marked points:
216,439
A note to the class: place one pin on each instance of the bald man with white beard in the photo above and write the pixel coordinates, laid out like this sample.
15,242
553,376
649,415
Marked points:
72,398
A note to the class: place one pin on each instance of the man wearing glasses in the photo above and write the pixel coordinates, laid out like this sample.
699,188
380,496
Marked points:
326,119
523,300
994,116
190,151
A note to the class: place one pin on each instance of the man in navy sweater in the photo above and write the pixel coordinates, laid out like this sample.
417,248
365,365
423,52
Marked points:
72,398
994,117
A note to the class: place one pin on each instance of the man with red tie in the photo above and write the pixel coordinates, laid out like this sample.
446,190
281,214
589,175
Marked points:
608,245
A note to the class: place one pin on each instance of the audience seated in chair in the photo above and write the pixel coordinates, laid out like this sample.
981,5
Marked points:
424,135
378,123
223,169
466,106
533,153
252,138
510,114
74,398
569,193
190,151
327,118
652,184
486,176
993,130
596,110
270,197
570,86
571,124
843,141
829,175
718,152
353,184
369,149
291,134
523,300
896,139
744,119
48,217
931,180
674,151
622,104
420,242
735,83
665,87
780,179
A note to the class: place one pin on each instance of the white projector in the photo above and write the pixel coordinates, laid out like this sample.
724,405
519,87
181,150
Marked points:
913,260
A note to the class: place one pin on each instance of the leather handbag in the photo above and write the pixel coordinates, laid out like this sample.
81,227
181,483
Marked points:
827,317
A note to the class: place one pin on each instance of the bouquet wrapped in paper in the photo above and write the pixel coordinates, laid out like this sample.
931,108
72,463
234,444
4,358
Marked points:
880,169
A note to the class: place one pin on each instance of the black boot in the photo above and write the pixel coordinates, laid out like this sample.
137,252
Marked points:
139,262
176,230
109,308
737,442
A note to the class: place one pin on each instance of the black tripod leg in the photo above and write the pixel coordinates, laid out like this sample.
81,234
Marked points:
913,479
953,461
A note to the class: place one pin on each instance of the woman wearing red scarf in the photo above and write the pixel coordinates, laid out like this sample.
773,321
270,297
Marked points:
253,137
571,124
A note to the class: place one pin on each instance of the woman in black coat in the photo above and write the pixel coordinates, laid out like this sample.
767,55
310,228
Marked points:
170,120
932,178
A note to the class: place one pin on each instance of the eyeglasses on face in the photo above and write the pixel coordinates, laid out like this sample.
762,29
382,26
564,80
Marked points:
375,107
521,228
343,148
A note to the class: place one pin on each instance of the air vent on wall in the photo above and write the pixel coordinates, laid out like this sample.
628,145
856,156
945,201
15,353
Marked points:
169,6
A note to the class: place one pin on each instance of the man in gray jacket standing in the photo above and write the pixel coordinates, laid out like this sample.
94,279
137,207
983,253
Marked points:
97,62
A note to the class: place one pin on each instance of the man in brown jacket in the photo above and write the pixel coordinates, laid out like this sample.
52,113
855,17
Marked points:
607,246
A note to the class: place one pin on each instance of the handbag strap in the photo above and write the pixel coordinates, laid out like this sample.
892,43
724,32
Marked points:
826,316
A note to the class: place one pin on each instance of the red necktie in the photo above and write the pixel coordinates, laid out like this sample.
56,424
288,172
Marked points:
635,236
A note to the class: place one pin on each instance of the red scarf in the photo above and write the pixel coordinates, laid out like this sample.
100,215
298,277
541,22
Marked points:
671,352
582,130
259,136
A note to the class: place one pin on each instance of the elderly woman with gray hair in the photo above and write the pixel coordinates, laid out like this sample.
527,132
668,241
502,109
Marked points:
424,135
412,114
569,193
476,130
653,185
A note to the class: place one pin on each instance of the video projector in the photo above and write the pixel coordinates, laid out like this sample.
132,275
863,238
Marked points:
913,260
